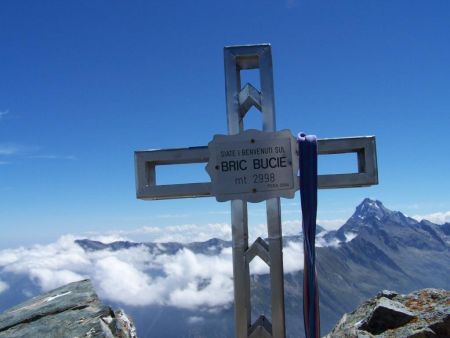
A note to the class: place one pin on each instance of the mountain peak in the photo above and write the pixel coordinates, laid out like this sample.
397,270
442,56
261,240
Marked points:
370,207
373,213
371,203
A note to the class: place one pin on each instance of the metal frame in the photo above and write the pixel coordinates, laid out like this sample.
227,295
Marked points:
236,60
239,100
147,161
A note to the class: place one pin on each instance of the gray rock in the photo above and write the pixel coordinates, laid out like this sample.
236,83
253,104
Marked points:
387,314
73,310
420,314
387,294
442,326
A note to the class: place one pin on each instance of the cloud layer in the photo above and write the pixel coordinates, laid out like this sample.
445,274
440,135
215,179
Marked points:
138,276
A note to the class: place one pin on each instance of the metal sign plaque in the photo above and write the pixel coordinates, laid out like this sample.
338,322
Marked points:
253,166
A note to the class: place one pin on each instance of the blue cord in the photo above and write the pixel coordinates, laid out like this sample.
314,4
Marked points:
307,145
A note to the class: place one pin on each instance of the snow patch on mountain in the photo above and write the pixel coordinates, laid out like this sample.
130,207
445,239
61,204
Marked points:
349,236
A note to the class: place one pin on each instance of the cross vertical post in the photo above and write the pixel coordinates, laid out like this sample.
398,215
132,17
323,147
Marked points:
238,101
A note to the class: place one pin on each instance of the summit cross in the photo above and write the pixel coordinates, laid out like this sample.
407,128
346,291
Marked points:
253,166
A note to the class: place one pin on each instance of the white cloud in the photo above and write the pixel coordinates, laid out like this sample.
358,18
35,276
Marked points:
436,217
258,266
3,286
195,320
3,114
8,149
49,279
292,227
293,257
322,242
183,233
199,280
53,157
137,276
48,265
186,233
108,238
185,280
331,224
120,280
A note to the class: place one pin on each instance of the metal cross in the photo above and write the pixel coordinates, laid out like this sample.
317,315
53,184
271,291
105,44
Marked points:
239,100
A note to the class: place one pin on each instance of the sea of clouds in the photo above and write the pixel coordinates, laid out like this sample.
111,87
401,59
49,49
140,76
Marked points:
136,276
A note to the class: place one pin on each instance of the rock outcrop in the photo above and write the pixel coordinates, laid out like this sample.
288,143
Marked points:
420,314
73,310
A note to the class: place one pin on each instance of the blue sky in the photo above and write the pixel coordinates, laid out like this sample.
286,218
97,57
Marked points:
84,84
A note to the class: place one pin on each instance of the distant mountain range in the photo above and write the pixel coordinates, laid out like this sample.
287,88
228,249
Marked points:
375,249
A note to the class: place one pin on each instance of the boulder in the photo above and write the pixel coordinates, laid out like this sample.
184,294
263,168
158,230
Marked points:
386,314
420,314
73,310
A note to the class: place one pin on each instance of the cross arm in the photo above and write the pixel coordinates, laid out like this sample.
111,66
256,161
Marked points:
147,161
145,167
365,149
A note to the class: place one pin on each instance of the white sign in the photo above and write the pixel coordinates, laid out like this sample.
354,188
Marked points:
253,165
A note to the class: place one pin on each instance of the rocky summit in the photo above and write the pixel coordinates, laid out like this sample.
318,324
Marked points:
420,314
73,310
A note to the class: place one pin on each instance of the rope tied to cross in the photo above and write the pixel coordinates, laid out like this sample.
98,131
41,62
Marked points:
307,145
